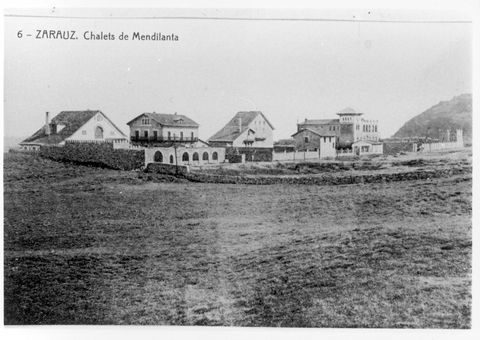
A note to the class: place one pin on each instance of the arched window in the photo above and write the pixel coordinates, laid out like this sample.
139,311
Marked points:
171,159
185,157
205,156
98,133
215,156
195,156
158,157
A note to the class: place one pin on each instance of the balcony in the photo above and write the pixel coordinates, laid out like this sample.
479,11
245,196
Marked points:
160,139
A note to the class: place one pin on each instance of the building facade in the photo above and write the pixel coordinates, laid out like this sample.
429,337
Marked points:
74,126
308,140
160,128
246,129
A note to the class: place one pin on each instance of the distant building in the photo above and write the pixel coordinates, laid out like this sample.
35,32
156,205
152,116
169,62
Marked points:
348,129
285,145
310,140
246,129
157,129
81,126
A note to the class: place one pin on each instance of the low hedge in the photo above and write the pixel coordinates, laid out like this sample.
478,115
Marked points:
95,154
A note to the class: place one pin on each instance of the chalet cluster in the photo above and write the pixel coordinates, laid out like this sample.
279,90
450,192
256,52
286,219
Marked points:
174,138
166,138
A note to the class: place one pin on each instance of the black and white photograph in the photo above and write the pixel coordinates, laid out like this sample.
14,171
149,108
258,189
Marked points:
238,167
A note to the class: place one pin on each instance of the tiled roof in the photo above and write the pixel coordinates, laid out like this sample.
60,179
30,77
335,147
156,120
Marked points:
168,119
72,120
231,131
322,134
320,121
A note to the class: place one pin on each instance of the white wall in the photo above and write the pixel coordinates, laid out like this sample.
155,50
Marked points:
187,132
295,156
427,147
327,147
262,130
167,152
87,131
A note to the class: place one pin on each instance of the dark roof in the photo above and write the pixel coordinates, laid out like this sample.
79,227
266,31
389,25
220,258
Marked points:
168,119
320,122
73,120
318,133
285,142
231,131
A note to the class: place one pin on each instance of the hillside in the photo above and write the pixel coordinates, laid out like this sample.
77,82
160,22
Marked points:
455,113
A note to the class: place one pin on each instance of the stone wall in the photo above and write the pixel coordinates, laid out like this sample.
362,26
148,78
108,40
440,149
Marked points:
328,179
168,169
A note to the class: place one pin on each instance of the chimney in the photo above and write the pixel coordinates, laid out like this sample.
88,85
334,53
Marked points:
239,124
47,124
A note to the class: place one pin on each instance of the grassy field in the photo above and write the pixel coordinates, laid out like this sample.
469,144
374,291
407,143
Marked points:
95,246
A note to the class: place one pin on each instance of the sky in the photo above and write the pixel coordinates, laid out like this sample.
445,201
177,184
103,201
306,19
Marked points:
289,70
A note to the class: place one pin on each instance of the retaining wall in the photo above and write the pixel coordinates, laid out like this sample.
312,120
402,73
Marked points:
168,169
327,180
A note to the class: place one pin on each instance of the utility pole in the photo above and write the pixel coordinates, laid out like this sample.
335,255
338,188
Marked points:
176,161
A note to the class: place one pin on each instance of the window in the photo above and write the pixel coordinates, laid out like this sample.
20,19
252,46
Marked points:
181,135
329,128
169,135
195,156
324,139
205,156
191,135
185,157
98,133
215,156
145,121
84,132
158,157
306,139
99,118
145,134
137,134
171,159
155,134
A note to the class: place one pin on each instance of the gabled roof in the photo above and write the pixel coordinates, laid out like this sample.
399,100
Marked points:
321,134
231,131
168,119
320,122
72,120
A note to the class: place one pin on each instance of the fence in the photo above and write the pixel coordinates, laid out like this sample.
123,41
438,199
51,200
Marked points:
428,147
296,155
